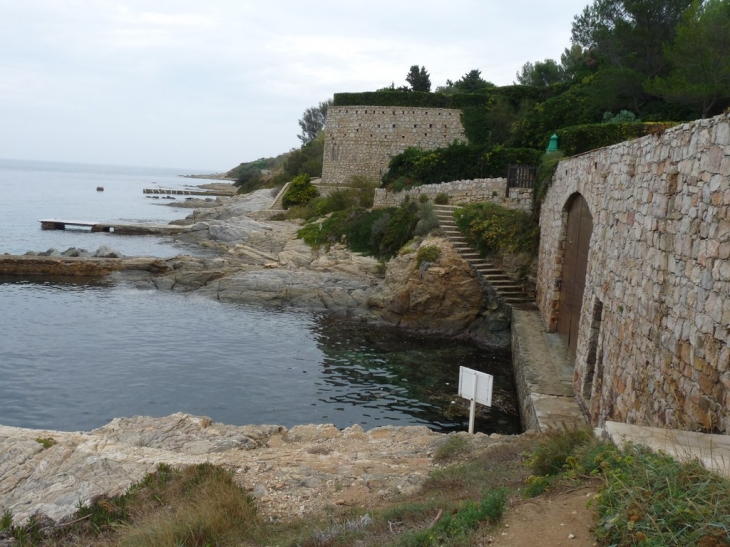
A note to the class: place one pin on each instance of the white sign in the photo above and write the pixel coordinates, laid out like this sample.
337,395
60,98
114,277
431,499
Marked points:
477,387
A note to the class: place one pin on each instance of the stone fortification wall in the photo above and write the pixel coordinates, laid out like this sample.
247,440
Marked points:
361,140
654,326
461,192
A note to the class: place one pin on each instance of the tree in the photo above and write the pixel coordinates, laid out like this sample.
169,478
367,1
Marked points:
419,79
541,74
700,56
313,121
630,34
471,82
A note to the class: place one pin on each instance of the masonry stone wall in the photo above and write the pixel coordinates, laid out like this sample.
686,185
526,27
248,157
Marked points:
361,140
655,319
461,192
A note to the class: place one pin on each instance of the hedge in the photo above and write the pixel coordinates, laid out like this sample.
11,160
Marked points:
583,138
457,161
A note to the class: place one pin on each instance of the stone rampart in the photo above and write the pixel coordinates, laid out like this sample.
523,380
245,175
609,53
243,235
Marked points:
654,320
361,140
461,192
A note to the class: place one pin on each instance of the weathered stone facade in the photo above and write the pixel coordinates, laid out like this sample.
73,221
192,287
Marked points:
654,323
461,192
361,140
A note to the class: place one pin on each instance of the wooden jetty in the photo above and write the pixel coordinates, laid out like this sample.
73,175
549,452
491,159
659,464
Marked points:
209,193
121,228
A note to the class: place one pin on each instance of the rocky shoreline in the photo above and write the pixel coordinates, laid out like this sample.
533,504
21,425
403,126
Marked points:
292,472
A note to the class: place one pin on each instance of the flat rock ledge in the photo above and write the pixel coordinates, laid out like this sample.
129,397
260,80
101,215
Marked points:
291,472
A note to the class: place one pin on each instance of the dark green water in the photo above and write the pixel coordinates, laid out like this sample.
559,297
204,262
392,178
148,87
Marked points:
74,355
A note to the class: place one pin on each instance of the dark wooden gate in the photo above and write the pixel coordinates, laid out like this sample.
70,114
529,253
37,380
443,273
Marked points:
575,265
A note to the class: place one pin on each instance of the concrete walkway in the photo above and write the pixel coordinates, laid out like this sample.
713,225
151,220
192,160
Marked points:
543,374
712,450
544,379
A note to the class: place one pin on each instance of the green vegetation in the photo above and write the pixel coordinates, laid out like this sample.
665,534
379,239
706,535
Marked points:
457,161
544,178
47,442
313,121
495,230
644,498
358,192
582,138
300,191
454,447
441,199
380,233
427,253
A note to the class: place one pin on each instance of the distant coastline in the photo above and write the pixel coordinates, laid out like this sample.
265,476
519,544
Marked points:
214,176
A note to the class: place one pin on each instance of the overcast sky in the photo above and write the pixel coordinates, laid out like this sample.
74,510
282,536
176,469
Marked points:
208,84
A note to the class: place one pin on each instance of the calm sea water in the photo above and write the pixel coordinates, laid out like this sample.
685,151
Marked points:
76,353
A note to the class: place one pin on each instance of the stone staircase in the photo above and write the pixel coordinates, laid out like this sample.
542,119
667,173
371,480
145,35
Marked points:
276,205
506,288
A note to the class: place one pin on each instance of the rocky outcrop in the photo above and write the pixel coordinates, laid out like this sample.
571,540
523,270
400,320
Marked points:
291,472
440,296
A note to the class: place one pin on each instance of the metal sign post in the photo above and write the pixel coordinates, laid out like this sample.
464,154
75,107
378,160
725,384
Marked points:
477,387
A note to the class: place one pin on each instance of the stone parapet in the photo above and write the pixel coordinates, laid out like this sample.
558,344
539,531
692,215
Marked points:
654,323
461,192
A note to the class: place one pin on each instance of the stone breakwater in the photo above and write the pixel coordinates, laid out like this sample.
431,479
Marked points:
461,192
291,472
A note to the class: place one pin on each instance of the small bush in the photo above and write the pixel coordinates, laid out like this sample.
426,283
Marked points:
6,521
427,219
47,442
427,253
300,192
423,198
554,449
455,445
495,230
441,199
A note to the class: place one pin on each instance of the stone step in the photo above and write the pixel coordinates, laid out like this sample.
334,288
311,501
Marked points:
513,300
442,207
509,291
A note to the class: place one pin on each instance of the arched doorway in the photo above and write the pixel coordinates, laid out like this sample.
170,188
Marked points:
575,265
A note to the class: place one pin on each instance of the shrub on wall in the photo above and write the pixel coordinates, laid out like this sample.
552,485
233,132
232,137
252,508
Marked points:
300,192
583,138
458,161
495,230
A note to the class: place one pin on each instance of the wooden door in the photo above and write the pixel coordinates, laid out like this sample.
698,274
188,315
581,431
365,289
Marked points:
575,265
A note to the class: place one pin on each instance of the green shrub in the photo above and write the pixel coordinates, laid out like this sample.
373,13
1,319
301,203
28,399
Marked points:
380,233
300,192
441,199
458,161
455,445
427,219
423,198
651,499
583,138
427,253
494,229
544,178
554,449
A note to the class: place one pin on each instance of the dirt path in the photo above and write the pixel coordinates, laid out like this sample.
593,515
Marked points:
548,521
